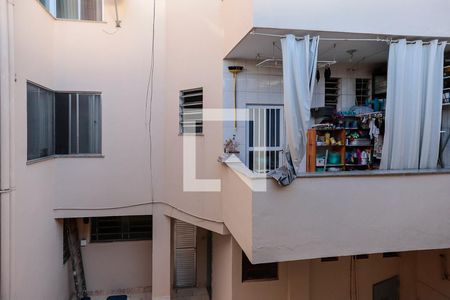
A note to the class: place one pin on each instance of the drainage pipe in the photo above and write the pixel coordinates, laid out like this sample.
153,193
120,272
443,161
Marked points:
7,75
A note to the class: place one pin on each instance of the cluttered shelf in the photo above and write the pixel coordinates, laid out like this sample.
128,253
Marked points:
347,141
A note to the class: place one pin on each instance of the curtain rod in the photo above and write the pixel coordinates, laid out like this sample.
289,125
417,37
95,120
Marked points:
339,39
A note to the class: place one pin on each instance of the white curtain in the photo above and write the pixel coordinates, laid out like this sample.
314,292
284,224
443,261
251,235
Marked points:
299,69
413,105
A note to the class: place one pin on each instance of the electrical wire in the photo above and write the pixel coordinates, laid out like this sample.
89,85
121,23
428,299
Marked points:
149,100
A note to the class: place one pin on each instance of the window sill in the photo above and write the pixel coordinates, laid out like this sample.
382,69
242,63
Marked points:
79,156
191,134
42,159
79,20
62,19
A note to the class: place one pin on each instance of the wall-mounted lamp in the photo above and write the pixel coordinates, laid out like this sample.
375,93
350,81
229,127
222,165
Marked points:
235,70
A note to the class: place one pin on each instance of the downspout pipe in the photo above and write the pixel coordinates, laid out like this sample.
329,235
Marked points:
7,184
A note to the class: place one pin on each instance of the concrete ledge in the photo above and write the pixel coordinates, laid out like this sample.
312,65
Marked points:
413,172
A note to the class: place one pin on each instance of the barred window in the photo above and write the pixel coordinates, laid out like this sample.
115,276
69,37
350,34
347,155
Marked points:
362,90
124,228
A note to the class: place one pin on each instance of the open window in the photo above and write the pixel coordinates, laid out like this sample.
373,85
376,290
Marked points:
62,123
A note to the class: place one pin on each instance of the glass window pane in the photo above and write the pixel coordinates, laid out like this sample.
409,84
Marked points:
91,10
39,122
45,3
67,9
62,123
89,124
73,124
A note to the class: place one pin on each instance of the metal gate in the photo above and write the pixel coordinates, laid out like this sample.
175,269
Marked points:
265,137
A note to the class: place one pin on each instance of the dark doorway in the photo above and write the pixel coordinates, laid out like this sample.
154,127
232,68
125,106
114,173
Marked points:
387,289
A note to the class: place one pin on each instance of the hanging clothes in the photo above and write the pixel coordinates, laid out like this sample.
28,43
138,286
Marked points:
374,131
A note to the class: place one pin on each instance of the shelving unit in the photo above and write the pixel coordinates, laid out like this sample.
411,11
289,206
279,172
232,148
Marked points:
318,151
445,137
315,149
446,91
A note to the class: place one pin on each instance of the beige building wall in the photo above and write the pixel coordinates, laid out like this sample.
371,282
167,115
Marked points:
33,226
94,56
122,267
193,60
67,55
118,267
420,274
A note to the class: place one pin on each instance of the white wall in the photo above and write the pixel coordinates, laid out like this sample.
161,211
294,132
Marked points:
334,216
414,18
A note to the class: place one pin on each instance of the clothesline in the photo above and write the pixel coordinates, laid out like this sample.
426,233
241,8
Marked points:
343,39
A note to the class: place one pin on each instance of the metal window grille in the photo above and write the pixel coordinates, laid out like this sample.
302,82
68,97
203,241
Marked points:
332,92
362,90
265,134
124,228
191,111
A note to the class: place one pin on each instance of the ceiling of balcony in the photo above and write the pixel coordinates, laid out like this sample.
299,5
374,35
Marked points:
258,47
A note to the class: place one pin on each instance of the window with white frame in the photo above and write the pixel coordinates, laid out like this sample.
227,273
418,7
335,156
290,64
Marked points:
265,137
191,111
40,125
91,10
62,123
77,123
